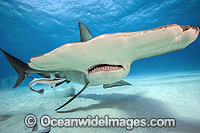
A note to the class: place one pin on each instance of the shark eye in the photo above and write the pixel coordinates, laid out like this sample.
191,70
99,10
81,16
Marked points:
185,28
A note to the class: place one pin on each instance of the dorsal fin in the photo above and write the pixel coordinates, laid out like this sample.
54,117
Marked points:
85,33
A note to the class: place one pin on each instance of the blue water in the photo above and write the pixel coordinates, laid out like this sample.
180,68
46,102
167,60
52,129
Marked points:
29,28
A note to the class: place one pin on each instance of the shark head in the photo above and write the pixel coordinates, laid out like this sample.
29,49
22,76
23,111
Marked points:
188,33
184,36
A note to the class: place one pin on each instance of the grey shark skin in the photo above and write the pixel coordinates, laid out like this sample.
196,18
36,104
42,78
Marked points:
46,81
106,59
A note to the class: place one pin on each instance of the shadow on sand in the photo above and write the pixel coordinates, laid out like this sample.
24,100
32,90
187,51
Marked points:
4,117
135,106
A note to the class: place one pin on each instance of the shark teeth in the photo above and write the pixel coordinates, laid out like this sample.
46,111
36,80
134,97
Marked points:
104,67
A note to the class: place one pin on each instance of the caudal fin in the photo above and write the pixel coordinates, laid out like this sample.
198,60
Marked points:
20,67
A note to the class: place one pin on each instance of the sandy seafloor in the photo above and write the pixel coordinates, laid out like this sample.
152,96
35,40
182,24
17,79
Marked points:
170,95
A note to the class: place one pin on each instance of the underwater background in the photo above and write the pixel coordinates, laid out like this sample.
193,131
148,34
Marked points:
164,86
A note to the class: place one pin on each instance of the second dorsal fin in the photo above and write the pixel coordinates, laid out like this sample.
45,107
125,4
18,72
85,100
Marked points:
85,33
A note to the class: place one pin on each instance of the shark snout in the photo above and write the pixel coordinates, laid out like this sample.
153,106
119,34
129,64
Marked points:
195,28
187,27
190,30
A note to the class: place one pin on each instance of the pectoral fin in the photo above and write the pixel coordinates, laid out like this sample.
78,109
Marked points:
118,83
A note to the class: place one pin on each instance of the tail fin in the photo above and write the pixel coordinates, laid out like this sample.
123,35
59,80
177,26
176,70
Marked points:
19,66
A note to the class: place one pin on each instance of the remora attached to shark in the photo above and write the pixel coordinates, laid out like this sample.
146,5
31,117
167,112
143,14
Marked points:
46,81
105,59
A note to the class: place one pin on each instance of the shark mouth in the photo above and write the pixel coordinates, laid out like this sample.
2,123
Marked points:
104,67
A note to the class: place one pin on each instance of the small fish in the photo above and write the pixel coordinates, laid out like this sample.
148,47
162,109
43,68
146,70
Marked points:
46,81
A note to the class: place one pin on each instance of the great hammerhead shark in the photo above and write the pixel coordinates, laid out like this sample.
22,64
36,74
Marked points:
105,59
